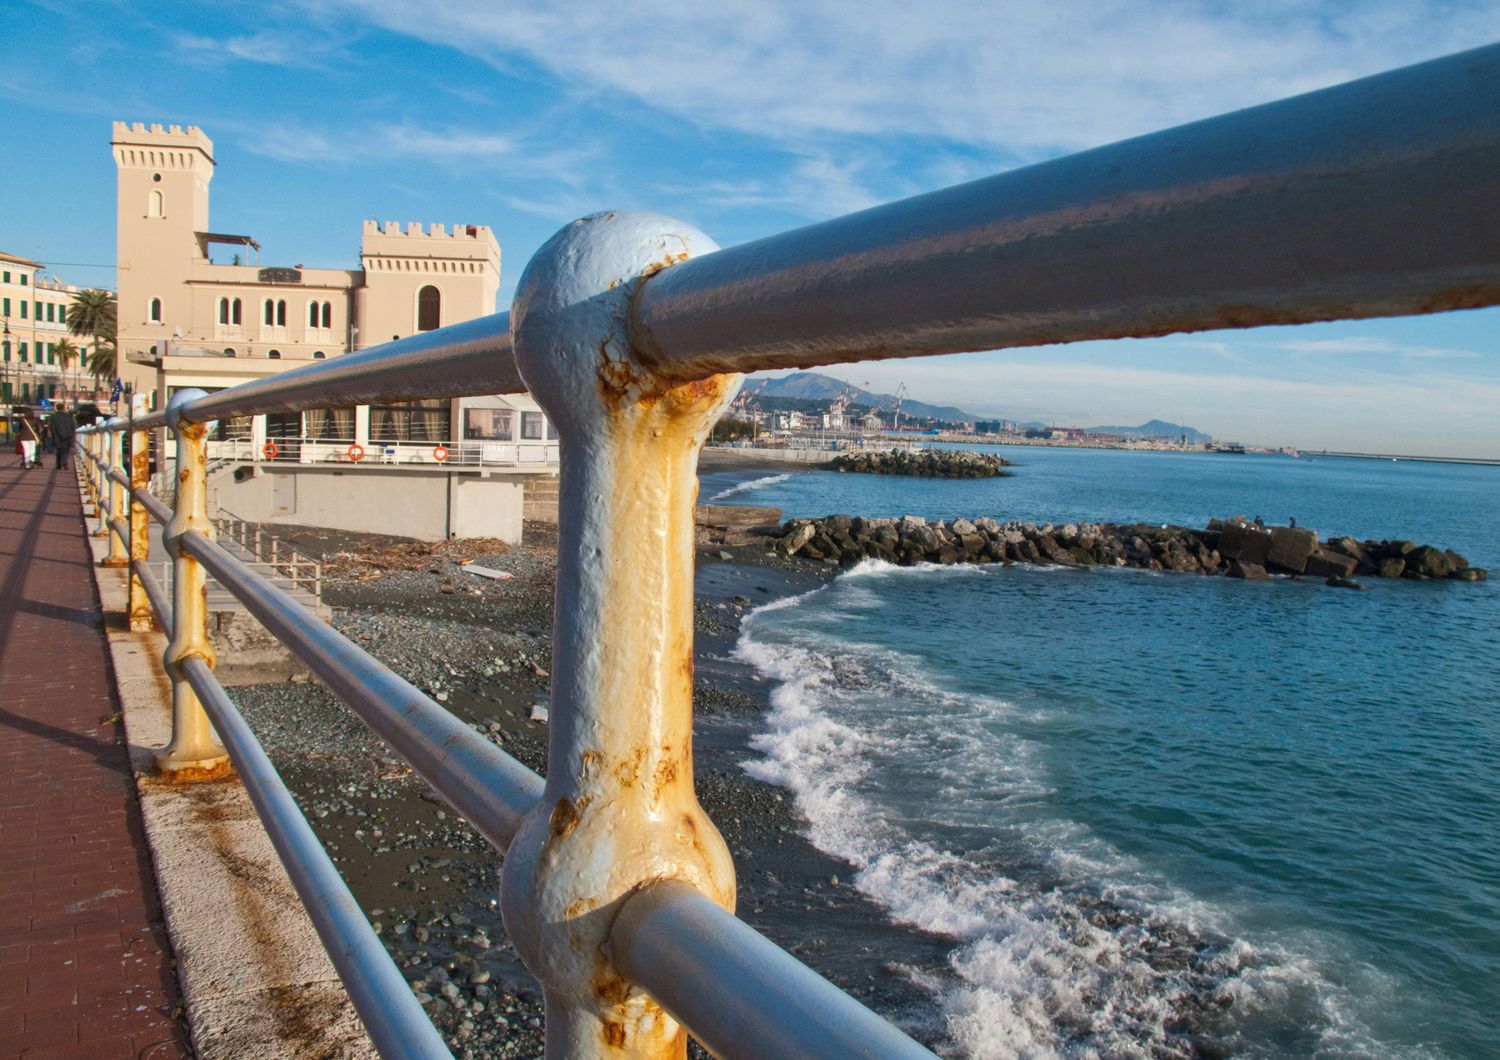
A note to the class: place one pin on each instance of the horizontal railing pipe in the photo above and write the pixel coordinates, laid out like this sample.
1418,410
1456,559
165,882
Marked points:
739,994
1373,198
154,593
394,1018
158,509
461,360
481,782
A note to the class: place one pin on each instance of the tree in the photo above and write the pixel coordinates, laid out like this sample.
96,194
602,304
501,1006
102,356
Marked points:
93,313
66,353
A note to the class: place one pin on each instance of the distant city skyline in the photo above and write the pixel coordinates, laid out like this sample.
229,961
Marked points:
745,119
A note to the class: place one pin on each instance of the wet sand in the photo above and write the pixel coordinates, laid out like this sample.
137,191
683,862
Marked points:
482,648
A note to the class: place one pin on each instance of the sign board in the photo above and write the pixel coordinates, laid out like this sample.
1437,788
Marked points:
280,275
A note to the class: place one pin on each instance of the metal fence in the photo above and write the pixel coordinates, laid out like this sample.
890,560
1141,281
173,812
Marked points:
1379,197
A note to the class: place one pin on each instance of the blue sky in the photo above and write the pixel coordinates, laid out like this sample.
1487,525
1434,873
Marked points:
746,119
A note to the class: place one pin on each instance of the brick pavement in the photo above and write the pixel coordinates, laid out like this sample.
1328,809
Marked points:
85,961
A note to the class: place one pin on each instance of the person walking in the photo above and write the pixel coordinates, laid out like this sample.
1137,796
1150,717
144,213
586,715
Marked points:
64,427
29,439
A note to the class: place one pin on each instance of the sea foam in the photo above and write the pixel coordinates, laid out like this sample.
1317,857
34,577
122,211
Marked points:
1061,945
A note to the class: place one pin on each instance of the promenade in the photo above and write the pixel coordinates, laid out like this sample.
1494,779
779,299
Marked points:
85,963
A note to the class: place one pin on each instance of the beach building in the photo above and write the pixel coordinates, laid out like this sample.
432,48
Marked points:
33,321
198,307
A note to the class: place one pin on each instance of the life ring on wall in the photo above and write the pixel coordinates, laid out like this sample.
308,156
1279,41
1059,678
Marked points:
270,450
356,452
440,453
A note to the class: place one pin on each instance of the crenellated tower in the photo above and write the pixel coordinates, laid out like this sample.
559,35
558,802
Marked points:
162,177
420,278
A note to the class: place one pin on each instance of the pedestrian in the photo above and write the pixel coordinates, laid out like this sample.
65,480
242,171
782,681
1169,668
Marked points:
1292,521
28,438
64,427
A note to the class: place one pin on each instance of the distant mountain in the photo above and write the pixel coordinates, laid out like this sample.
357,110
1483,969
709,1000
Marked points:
810,386
1154,429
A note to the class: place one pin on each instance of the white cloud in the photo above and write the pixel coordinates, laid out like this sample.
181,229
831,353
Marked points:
1030,78
1437,414
1359,344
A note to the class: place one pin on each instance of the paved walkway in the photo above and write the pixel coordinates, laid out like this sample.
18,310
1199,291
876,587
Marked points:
85,962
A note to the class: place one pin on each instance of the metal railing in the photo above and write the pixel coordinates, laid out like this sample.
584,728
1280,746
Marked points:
1370,199
524,454
269,553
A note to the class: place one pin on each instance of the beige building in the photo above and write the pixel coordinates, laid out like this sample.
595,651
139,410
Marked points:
198,308
33,320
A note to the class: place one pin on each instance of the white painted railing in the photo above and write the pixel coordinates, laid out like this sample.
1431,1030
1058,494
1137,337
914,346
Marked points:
1371,199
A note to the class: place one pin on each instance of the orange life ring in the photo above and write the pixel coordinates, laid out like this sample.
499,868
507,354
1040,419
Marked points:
440,453
356,452
270,450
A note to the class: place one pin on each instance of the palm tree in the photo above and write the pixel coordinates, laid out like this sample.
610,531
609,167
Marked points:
93,313
66,354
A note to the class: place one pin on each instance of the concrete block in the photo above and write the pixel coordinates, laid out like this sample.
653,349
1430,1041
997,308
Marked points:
1328,564
1290,548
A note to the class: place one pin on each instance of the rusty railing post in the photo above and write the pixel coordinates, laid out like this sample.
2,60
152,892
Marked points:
142,618
114,448
195,752
618,810
99,488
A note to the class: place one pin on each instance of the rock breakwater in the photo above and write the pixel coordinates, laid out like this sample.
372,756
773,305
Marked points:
923,463
1232,547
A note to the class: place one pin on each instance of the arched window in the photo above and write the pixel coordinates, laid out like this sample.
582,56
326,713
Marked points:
154,205
270,314
429,309
275,355
318,355
235,312
312,314
155,313
229,351
327,315
281,314
224,311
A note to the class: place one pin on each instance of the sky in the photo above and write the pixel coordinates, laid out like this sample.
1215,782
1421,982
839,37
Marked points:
747,119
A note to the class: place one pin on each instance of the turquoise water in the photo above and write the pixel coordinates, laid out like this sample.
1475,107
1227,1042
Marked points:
1161,814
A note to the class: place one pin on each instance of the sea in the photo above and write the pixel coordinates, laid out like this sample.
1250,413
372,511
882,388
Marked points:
1158,814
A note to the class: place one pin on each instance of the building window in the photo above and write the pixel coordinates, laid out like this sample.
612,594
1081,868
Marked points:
270,312
416,421
532,425
281,314
429,309
7,277
155,311
275,355
5,306
22,279
24,304
154,204
328,314
489,425
312,314
329,425
229,351
62,314
318,355
49,312
23,351
234,311
224,311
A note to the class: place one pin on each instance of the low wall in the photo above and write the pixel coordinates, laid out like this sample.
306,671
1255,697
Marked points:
427,505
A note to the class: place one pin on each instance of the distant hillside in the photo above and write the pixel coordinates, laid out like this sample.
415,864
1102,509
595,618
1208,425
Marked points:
811,386
1154,429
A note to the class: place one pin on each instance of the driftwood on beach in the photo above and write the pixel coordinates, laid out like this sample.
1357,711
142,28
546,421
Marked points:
1232,547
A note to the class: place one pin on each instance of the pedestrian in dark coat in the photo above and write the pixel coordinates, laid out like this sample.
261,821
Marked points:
64,427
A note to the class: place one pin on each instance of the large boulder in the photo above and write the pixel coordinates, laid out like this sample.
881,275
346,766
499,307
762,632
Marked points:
1428,562
1238,568
1244,541
1291,547
1390,567
1325,563
798,534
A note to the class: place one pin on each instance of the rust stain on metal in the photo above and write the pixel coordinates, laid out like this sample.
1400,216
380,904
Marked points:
564,817
614,1034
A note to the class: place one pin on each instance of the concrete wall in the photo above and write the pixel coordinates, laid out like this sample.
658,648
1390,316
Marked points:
427,505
